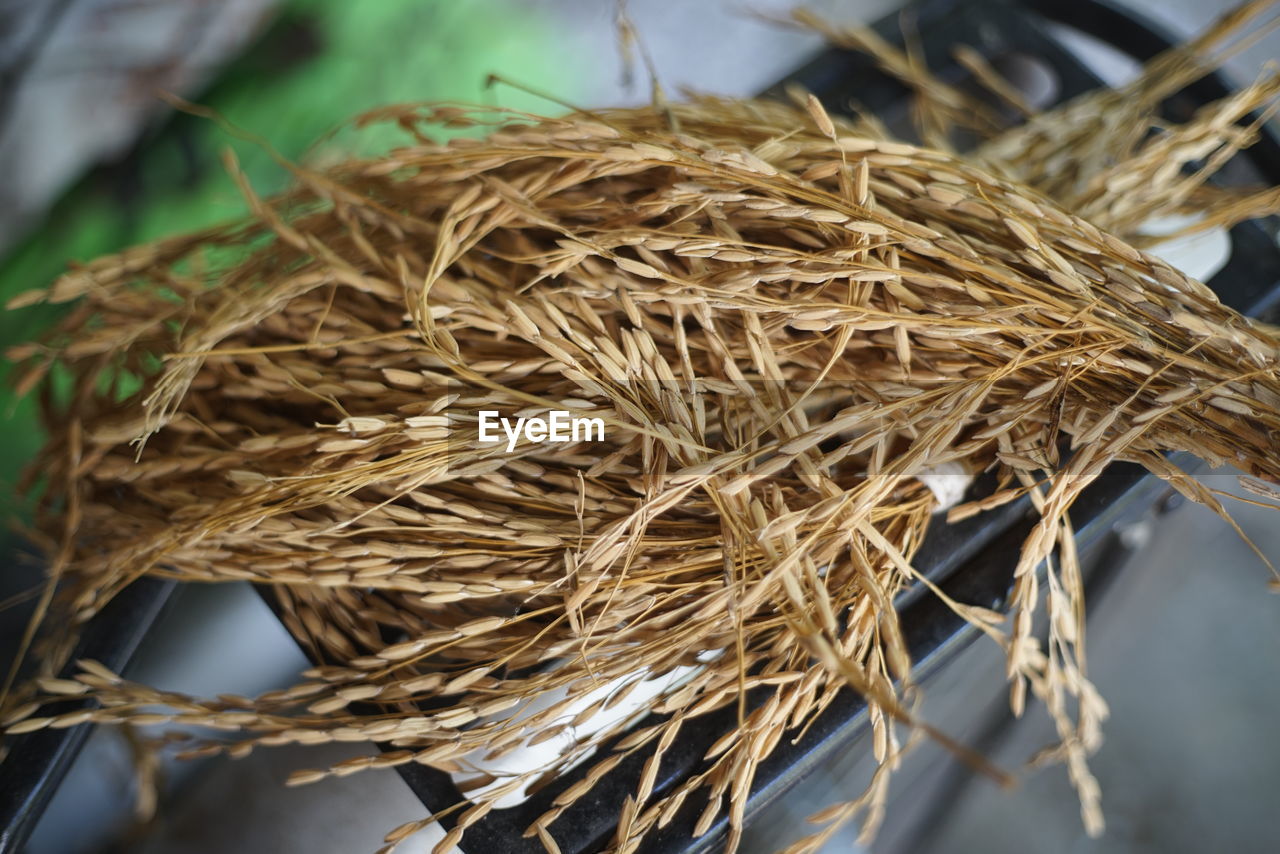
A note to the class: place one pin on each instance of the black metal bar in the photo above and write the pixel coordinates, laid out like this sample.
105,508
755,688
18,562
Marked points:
37,762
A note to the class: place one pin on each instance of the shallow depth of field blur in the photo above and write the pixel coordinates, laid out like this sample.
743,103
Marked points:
94,161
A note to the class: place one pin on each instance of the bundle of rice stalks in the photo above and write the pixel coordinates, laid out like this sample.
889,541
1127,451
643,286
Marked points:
783,321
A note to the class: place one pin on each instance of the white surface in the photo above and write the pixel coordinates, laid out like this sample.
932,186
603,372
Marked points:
1198,255
948,482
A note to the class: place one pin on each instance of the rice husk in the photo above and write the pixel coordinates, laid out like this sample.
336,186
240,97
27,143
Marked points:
783,317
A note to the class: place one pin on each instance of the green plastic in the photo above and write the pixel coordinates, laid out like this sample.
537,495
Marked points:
320,63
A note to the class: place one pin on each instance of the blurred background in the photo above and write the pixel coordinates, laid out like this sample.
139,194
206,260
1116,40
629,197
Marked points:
1185,644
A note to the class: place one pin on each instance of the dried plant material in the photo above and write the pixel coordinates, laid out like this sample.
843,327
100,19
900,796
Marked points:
783,319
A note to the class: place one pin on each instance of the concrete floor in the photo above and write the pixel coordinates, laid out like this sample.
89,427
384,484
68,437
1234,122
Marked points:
1184,646
1186,650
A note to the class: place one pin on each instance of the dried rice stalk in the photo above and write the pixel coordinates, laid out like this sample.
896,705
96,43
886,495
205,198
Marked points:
783,318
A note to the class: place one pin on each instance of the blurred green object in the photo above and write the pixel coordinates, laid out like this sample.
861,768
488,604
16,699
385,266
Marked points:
320,63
